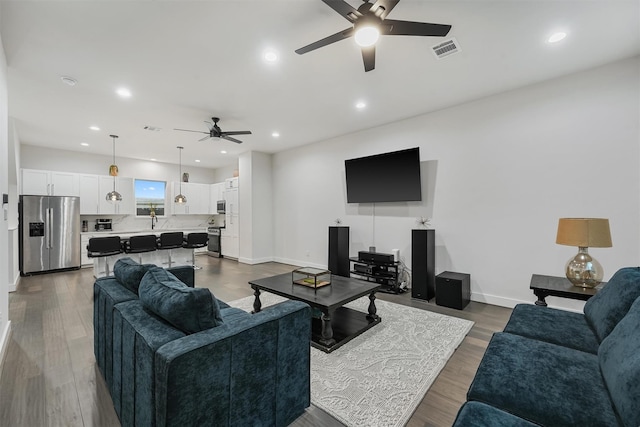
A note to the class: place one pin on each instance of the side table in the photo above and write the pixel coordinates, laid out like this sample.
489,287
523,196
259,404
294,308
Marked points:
545,286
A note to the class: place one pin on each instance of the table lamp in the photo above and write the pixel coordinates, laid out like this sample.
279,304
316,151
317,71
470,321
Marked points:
583,270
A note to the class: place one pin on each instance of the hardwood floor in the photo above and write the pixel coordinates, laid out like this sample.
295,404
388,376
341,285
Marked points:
49,376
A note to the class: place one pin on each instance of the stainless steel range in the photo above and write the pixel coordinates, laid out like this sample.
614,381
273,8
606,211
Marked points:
213,247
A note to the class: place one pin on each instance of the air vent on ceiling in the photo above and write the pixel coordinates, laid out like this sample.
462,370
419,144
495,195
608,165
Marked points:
446,48
152,128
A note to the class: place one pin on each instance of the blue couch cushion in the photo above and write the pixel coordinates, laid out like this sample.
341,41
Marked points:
129,273
619,356
542,323
476,414
604,310
188,309
543,383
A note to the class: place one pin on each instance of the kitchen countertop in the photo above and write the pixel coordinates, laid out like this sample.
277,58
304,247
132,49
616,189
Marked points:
127,233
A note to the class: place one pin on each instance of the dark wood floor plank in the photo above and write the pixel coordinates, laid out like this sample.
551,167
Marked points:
49,376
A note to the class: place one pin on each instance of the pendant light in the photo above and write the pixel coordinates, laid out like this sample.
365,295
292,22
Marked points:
180,198
114,196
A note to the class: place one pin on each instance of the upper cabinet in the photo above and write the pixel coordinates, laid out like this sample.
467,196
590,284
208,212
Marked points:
93,195
230,183
197,195
49,183
216,192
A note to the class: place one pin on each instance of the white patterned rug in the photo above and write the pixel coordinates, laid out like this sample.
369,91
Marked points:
381,376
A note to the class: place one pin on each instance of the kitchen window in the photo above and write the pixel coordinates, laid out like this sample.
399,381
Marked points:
150,197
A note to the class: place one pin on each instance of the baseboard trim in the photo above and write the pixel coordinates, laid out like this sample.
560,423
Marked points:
4,344
252,261
510,302
16,282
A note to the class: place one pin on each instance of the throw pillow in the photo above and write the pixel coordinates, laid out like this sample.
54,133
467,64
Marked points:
129,273
604,310
188,309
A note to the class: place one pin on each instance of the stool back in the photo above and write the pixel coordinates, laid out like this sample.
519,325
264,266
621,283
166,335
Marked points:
137,244
103,246
170,240
196,240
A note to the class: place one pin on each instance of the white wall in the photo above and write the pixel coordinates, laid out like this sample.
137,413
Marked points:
500,172
4,222
33,157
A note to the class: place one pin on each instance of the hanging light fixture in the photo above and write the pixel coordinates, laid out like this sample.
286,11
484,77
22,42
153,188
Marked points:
180,198
114,196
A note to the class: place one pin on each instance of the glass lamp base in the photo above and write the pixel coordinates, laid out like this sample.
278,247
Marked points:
584,270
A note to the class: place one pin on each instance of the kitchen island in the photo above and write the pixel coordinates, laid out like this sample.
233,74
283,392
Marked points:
179,256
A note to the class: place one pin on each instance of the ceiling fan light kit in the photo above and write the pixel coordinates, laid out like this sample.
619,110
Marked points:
369,22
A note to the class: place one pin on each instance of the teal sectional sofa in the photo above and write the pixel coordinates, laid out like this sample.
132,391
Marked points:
555,368
173,355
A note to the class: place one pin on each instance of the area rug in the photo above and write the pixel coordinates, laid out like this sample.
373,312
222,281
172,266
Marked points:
380,377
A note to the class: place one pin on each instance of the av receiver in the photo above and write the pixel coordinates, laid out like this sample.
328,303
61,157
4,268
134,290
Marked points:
375,257
366,269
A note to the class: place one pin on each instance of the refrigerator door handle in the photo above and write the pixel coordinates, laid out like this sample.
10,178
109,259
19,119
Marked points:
49,228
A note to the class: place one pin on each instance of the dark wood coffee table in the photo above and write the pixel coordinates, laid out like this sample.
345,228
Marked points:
336,325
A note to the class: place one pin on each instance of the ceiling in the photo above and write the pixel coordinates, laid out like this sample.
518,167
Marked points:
186,61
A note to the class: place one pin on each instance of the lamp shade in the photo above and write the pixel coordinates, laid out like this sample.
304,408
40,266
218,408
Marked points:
584,232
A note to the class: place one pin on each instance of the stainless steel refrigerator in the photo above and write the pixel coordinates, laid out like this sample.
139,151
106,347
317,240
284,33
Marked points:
49,236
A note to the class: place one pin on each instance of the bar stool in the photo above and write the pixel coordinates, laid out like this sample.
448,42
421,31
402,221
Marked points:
140,245
168,241
195,241
103,247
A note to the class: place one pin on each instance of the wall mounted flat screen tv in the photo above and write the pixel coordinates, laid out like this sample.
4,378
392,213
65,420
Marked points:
388,177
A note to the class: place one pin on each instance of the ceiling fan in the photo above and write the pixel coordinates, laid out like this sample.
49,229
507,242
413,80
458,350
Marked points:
369,22
216,132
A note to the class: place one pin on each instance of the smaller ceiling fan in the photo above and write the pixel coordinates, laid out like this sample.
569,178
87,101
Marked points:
216,132
369,22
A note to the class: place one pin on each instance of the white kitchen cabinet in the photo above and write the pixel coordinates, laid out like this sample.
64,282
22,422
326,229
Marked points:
49,183
197,195
230,183
89,194
84,258
124,186
230,235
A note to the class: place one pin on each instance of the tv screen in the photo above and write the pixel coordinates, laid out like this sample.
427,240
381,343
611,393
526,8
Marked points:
388,177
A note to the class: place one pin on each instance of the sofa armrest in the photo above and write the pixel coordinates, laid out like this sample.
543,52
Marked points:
185,274
254,368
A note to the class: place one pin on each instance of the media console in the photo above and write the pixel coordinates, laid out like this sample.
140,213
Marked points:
378,268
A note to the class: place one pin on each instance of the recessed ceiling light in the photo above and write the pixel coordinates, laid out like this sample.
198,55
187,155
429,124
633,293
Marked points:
360,105
123,92
270,56
275,134
68,80
197,161
556,37
153,160
96,128
84,144
223,152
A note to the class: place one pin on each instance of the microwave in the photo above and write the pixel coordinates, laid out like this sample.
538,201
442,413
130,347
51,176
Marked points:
221,206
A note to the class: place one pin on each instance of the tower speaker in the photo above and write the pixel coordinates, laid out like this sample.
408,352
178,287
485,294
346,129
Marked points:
423,264
339,250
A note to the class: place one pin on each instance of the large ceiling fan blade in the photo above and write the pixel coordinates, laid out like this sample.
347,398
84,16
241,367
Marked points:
228,138
188,130
202,139
326,41
344,9
369,57
209,125
237,132
393,27
381,8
